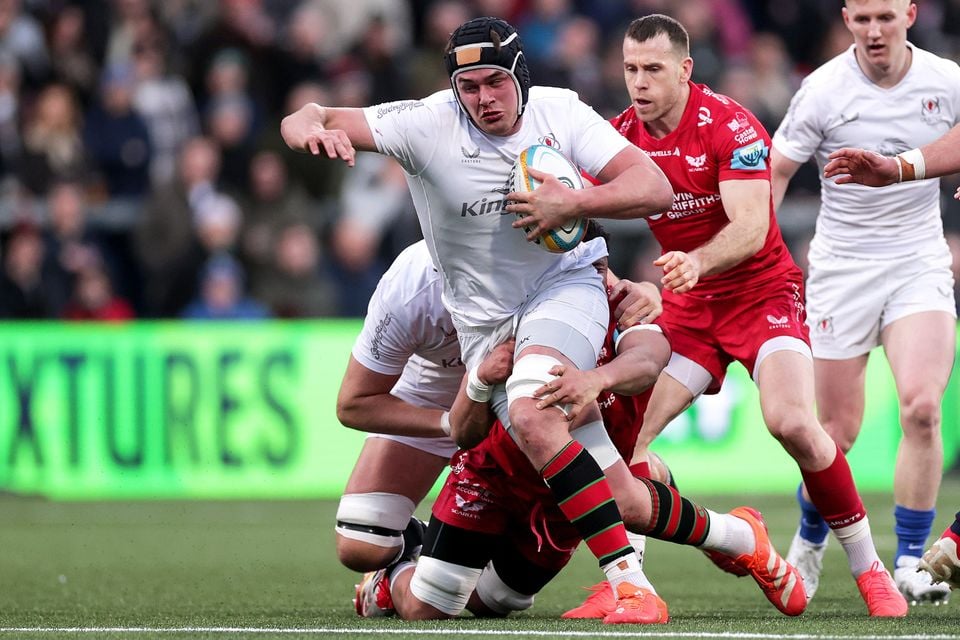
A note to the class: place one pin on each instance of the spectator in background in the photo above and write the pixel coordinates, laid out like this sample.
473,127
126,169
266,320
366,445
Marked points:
52,142
217,221
379,54
94,298
132,21
375,196
222,294
323,186
306,45
116,137
69,243
165,243
70,54
273,204
293,285
22,294
230,123
9,114
22,37
440,20
164,101
573,61
541,29
245,27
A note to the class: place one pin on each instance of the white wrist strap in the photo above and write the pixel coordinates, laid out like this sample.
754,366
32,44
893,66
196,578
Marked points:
445,422
477,390
911,165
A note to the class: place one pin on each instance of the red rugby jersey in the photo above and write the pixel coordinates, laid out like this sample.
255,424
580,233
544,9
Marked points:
717,140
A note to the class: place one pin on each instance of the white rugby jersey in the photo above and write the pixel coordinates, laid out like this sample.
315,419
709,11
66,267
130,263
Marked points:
407,331
458,177
838,106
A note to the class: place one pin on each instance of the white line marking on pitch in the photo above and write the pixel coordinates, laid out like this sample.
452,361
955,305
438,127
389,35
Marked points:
469,632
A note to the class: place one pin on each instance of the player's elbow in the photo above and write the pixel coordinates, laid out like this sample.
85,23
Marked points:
349,411
660,194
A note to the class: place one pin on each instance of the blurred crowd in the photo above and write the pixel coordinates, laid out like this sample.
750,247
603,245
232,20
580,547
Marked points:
142,172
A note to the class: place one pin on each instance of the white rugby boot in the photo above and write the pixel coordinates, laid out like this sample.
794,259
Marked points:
807,557
917,586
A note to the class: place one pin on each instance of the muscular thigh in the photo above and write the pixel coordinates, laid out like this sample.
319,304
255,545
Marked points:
389,466
570,317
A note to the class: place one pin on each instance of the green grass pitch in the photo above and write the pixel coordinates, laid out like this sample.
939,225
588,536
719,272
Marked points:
267,570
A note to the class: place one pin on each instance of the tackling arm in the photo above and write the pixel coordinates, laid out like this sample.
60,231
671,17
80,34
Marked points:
470,415
365,404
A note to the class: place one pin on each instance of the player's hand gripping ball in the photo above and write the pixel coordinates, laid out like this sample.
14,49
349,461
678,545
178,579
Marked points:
549,160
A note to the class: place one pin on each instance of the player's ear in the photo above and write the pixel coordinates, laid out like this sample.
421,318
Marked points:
686,69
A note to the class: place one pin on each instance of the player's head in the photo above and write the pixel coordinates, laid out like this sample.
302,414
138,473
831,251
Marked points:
488,73
879,29
657,66
596,230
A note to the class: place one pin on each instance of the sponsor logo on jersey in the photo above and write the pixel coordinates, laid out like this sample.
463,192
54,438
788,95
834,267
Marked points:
451,363
930,110
397,107
778,323
745,136
751,157
483,207
696,162
704,117
378,332
551,141
716,96
470,157
739,122
686,204
664,152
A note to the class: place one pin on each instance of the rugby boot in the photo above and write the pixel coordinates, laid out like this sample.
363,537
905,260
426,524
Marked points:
636,605
880,593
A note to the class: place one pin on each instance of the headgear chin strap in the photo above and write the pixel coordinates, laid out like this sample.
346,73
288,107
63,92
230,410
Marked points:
488,43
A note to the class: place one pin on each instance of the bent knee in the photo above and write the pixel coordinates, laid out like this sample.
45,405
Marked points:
362,556
921,415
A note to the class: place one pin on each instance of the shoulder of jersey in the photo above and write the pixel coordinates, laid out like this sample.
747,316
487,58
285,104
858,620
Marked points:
551,93
411,273
938,63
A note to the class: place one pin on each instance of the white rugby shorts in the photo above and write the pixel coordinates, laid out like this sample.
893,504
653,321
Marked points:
851,300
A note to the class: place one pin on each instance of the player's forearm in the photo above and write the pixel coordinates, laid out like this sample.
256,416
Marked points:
731,246
942,156
385,413
630,373
470,421
638,192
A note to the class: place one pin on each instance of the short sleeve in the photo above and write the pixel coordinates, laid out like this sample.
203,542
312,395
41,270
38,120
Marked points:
596,141
385,343
741,146
406,131
800,133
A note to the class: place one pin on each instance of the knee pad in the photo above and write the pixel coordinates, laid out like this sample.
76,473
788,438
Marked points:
443,585
529,374
375,518
498,596
595,439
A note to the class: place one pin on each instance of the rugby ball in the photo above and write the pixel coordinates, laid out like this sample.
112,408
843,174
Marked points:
549,160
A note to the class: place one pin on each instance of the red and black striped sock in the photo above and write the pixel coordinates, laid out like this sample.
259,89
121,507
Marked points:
584,497
675,518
